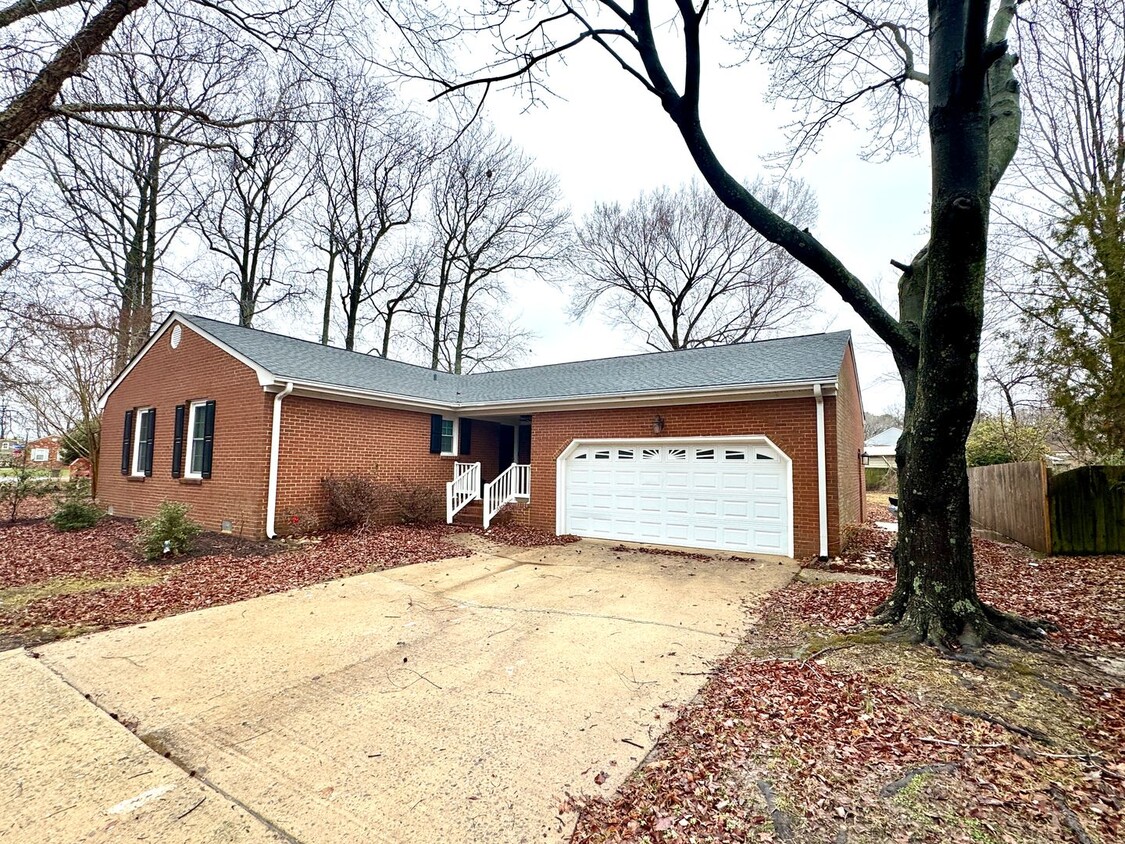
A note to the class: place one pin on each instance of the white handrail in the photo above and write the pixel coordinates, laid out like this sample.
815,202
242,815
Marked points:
514,482
464,487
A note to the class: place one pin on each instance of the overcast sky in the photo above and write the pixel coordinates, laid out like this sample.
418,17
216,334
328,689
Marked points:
608,140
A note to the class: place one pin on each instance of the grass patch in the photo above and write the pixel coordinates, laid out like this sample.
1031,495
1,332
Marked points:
15,598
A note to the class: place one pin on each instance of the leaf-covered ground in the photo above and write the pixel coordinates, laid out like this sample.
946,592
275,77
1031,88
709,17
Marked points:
56,584
817,731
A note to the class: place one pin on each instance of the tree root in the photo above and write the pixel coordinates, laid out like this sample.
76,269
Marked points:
1015,625
958,632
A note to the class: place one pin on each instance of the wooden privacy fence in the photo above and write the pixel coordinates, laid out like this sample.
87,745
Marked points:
1011,499
1081,511
1088,510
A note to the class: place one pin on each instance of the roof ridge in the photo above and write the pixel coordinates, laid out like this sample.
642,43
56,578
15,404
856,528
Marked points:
656,352
453,375
319,345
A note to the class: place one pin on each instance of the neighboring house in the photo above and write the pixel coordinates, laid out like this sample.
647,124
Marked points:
81,469
751,447
43,453
880,449
9,449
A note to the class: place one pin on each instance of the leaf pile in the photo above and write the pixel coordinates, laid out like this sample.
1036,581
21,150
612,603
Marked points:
202,581
835,752
33,552
865,743
515,535
1084,596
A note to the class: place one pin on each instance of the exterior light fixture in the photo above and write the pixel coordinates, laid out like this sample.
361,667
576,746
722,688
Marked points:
657,424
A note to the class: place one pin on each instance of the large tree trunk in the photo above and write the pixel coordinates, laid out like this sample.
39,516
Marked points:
329,286
935,597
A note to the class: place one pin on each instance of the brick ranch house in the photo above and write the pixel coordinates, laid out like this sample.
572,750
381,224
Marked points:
753,447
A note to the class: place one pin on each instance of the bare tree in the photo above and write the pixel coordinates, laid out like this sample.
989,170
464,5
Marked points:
840,61
59,368
371,162
251,200
49,43
123,196
494,214
404,281
686,270
1063,226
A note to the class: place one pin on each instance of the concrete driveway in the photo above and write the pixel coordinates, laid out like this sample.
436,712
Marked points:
453,701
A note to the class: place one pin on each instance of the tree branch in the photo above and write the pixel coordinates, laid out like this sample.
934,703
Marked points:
32,108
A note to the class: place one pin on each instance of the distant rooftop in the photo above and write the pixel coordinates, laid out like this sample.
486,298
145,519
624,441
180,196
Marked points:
887,438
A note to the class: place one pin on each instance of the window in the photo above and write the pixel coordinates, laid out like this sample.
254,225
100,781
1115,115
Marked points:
731,454
196,437
705,454
450,435
447,436
602,454
144,423
650,454
677,454
40,455
624,454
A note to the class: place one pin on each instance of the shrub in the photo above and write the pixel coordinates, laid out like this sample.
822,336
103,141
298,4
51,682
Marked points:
23,484
169,531
417,505
353,499
76,510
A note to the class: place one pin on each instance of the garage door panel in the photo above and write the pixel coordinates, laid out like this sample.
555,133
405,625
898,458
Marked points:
676,480
767,511
705,507
677,505
767,482
714,495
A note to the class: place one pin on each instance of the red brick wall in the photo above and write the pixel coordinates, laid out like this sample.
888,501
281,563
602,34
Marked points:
321,438
849,445
163,378
52,445
789,423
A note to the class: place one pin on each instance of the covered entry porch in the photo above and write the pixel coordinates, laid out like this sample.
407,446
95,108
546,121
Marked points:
498,470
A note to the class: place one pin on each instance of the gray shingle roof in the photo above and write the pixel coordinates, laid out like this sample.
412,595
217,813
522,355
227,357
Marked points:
813,357
888,437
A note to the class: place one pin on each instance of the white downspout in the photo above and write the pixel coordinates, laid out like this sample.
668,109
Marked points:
275,450
821,471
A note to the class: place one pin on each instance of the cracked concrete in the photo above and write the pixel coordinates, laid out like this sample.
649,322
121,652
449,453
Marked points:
460,700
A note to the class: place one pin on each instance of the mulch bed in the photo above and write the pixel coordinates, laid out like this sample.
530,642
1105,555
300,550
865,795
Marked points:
811,731
220,570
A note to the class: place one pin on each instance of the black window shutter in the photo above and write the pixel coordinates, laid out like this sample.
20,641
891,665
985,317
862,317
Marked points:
178,442
465,441
208,438
435,434
149,443
127,443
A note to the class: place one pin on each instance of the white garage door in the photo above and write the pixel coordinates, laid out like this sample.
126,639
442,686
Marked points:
729,495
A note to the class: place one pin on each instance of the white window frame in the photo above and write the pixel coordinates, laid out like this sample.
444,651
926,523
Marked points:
44,455
138,467
455,448
189,440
